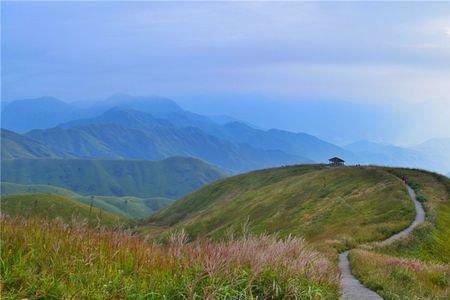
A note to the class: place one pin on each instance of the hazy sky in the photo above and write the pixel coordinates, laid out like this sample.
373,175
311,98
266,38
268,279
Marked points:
395,54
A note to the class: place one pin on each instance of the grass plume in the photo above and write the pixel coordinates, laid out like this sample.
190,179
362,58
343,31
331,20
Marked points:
52,259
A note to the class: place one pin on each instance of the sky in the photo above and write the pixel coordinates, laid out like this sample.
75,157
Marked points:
394,55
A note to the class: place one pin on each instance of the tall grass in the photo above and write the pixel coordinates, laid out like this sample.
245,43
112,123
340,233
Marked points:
56,260
401,278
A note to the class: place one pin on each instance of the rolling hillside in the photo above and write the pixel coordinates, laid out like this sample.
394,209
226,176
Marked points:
335,207
169,178
126,206
14,145
48,206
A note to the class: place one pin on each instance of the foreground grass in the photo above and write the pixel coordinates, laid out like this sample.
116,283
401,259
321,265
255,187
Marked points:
417,266
54,260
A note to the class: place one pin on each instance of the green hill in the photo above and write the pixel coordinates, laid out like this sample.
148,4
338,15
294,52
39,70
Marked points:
126,206
8,188
336,207
169,178
51,206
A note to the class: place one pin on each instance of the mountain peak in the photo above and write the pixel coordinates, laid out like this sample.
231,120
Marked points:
151,104
44,100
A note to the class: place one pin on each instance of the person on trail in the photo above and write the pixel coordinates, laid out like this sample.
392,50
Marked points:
405,180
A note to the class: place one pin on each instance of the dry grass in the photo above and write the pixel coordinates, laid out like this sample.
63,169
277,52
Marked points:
55,260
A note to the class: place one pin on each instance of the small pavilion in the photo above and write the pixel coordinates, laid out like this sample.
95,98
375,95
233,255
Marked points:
336,162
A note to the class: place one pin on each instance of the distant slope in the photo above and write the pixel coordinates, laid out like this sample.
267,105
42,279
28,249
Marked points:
437,151
126,206
335,207
44,112
14,145
52,206
169,178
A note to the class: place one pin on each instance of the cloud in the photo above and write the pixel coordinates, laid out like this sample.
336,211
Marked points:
447,30
380,52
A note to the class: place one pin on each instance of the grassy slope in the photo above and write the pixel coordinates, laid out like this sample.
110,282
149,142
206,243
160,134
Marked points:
8,188
337,207
50,206
130,207
169,178
418,265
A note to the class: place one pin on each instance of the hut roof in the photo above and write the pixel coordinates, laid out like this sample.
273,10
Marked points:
336,159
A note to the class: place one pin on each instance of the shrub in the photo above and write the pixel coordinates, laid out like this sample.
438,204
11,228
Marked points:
421,198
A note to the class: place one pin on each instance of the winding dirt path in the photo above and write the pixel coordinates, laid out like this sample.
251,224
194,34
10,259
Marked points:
352,289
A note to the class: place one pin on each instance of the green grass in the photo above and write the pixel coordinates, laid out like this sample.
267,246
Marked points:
417,266
169,178
48,206
8,188
52,260
331,207
129,207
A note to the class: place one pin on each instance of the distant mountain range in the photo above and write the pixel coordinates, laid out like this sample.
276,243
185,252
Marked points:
157,128
154,128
